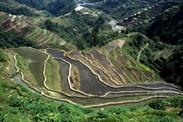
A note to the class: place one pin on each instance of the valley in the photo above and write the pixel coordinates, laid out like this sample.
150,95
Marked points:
91,60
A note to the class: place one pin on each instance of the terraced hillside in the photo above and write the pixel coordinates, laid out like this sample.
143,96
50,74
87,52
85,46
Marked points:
30,30
37,8
96,77
91,60
15,95
85,26
11,22
133,13
147,15
44,37
92,78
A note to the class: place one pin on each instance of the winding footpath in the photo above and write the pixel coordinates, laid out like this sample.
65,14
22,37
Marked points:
139,54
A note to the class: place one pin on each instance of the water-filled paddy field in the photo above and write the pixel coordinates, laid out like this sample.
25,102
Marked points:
35,60
89,90
91,84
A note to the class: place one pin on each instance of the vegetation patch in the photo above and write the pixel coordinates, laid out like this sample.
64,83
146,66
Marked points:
75,77
53,80
3,60
132,70
11,8
13,39
21,105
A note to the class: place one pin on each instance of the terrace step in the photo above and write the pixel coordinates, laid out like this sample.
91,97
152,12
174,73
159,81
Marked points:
107,66
103,76
95,86
113,96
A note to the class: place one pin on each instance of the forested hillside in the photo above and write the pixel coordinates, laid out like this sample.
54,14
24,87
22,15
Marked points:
169,26
112,7
13,39
15,8
169,29
33,7
164,52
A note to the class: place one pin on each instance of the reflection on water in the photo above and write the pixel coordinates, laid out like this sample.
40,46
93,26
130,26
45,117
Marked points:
91,84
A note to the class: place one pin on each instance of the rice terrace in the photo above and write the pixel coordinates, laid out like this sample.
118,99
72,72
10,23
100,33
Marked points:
90,79
91,60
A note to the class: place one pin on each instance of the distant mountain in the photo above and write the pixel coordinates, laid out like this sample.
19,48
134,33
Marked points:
119,8
59,7
31,7
131,14
38,4
15,8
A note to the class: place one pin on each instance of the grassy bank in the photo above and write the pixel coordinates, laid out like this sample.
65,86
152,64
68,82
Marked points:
20,105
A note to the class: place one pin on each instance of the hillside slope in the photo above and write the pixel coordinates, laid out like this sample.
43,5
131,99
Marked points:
81,61
164,50
169,26
169,29
23,104
37,7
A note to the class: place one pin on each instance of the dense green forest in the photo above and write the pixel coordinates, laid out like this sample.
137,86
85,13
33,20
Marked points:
169,29
21,10
165,59
169,26
60,7
13,39
82,30
28,7
173,68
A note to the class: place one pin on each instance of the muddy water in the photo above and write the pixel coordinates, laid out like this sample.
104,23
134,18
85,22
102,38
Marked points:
156,85
35,60
64,73
104,62
87,101
90,83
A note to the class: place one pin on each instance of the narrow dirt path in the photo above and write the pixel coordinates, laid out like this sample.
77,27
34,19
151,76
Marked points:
139,54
